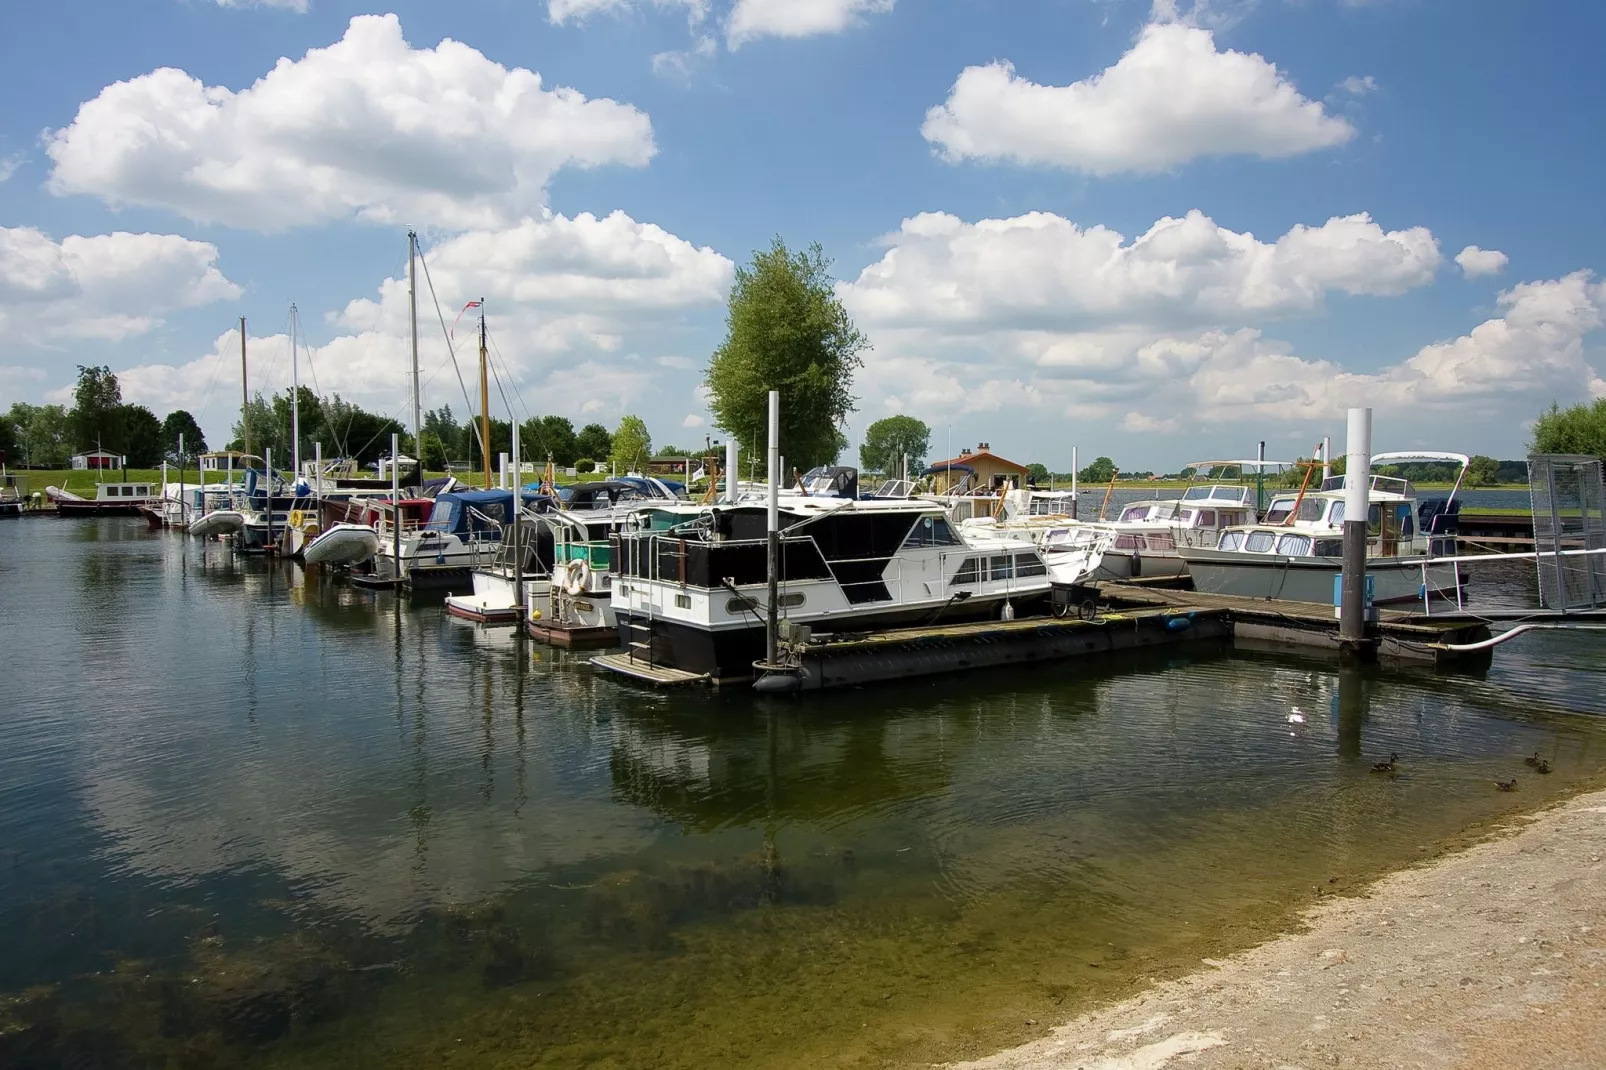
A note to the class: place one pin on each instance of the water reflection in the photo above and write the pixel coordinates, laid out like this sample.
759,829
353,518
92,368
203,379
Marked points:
313,826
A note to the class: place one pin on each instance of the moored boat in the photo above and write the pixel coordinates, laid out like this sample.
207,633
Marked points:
1295,552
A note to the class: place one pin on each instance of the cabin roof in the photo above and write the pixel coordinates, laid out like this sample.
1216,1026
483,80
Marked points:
971,458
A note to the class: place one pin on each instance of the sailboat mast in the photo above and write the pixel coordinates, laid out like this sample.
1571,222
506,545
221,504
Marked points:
245,397
412,311
295,400
485,401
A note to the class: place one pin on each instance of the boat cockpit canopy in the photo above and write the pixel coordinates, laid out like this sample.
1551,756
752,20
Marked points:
831,481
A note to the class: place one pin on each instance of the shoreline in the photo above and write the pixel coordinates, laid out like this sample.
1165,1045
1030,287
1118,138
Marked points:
1491,956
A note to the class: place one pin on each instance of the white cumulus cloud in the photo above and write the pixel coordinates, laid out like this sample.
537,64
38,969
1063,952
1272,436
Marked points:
561,11
1476,262
572,303
1042,272
1173,98
105,286
368,128
752,19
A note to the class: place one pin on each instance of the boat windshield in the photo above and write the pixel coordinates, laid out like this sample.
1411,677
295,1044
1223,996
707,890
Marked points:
1310,509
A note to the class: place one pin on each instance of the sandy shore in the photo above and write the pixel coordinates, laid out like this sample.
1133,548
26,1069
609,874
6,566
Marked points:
1494,957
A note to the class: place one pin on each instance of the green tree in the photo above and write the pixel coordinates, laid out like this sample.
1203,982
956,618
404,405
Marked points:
594,441
1102,470
141,432
1483,471
43,434
448,432
433,452
258,426
1037,473
888,440
786,331
632,445
180,422
584,465
544,436
96,399
10,439
1579,429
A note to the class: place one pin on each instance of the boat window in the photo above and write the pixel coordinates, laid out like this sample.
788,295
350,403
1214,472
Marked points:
1279,510
1329,548
1231,540
741,603
1161,540
1207,518
931,531
793,600
1029,565
683,601
1259,542
998,568
1126,542
1294,545
444,516
142,491
1135,512
1187,516
1373,516
969,572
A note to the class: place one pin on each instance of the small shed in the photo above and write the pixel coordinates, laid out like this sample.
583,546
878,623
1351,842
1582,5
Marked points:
974,470
97,460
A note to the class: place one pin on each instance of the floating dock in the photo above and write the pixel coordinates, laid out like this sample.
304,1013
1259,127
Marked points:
1396,635
852,659
571,636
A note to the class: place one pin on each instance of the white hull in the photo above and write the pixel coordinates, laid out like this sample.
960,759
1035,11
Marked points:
343,544
1310,579
218,522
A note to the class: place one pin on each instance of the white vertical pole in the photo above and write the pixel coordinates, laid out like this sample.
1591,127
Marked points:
317,485
773,527
1073,483
732,456
502,462
1327,458
1357,480
518,546
295,401
395,504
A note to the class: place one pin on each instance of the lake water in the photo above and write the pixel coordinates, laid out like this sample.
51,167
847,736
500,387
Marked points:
253,818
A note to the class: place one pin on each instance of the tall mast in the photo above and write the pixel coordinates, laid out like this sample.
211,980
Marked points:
245,398
485,401
412,310
295,400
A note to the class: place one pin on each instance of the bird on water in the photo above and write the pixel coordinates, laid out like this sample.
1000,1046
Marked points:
1385,766
1506,785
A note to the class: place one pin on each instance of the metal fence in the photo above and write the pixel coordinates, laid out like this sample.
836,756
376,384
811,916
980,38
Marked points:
1569,513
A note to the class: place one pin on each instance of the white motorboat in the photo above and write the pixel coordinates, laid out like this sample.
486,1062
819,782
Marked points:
1296,552
342,544
690,583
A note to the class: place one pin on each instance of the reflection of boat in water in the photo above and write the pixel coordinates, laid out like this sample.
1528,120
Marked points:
1296,551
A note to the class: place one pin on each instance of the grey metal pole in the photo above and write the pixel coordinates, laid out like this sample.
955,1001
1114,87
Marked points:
732,456
773,527
1327,458
1357,477
183,510
412,318
1074,478
395,505
1260,479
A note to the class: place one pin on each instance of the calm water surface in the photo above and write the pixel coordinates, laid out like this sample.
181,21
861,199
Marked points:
252,818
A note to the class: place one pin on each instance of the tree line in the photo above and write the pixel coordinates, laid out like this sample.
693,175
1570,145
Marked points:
46,436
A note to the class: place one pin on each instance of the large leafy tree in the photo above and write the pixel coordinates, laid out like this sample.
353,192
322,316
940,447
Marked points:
786,331
10,439
1102,470
888,441
180,422
141,434
43,434
1482,471
594,441
1579,429
96,400
632,445
549,436
258,427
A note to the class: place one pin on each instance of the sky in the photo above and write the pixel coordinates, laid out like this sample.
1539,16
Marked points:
1158,230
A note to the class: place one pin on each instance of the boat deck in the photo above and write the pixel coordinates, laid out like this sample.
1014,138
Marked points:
572,636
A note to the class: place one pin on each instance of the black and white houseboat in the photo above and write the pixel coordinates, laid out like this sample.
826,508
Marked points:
690,582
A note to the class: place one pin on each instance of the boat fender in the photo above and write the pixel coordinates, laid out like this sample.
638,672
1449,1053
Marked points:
535,614
578,573
1137,564
1179,624
778,683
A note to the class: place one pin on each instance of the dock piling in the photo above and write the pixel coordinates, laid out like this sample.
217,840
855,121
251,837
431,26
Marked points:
1357,476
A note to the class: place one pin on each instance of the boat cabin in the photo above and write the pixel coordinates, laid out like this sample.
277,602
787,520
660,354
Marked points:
119,492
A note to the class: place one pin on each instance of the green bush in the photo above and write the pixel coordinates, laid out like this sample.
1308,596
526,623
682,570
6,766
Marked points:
584,465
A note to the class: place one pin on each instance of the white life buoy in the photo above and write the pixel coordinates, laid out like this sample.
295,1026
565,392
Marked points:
578,573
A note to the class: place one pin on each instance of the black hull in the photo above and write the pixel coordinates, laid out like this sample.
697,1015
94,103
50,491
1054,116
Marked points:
128,508
729,654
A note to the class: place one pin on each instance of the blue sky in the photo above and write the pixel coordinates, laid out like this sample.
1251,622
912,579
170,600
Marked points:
1005,185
